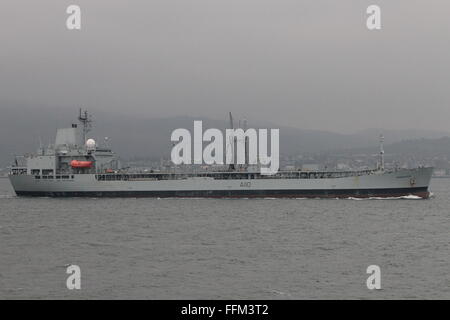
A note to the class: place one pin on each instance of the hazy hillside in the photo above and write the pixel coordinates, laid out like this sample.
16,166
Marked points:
439,147
137,136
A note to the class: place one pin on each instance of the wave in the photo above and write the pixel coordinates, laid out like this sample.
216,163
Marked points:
408,197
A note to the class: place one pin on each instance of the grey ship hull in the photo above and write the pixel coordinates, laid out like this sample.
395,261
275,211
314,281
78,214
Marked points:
379,184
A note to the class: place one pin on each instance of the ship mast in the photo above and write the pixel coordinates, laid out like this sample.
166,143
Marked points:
381,152
246,147
86,121
231,143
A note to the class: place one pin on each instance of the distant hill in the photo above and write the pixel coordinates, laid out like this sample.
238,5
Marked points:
439,147
137,136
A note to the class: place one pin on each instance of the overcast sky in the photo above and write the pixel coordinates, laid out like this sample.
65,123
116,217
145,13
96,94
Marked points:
309,64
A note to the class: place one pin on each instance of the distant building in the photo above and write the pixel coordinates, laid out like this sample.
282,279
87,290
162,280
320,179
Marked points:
310,167
439,172
343,166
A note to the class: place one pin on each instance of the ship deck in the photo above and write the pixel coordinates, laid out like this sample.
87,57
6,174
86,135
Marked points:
229,175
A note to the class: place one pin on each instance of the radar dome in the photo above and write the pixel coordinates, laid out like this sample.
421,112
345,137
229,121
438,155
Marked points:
90,144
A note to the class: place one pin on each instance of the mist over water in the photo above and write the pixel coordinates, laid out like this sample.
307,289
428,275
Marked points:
223,248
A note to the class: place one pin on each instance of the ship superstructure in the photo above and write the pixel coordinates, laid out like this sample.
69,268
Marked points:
77,166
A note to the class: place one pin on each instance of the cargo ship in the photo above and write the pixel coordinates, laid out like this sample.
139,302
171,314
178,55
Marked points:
77,167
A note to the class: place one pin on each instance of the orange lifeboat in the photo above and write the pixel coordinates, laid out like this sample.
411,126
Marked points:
80,164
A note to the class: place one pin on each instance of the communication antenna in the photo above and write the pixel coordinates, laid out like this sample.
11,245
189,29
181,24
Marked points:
86,121
41,148
381,152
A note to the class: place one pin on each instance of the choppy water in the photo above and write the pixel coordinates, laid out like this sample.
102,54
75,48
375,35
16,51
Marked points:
224,249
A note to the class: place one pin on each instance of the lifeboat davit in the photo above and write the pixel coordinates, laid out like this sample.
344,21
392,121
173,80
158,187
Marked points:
81,164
